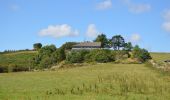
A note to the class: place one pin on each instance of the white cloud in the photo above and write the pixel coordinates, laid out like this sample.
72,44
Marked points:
166,26
166,15
106,4
92,32
135,38
137,8
58,31
166,23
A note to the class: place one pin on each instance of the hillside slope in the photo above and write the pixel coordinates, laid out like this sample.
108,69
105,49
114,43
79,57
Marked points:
92,82
160,56
18,58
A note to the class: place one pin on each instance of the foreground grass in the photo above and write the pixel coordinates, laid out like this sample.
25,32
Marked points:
95,82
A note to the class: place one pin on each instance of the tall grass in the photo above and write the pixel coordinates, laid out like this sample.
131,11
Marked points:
96,82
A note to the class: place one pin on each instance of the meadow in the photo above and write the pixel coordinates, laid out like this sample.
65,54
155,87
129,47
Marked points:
107,81
18,58
91,82
160,57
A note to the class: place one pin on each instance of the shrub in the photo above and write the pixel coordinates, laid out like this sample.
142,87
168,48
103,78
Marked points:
3,69
141,54
121,55
100,55
76,56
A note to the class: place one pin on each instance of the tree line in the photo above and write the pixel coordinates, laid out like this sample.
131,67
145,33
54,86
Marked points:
49,55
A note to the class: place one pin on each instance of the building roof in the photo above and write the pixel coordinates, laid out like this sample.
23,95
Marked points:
88,44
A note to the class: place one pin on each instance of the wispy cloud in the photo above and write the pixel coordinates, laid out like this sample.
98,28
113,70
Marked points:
135,38
137,7
166,23
92,31
14,7
59,31
106,4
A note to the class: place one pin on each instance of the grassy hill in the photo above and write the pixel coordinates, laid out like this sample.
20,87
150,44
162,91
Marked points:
19,58
92,82
160,56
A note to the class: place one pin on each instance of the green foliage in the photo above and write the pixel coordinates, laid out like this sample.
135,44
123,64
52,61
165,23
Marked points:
103,39
47,50
46,62
68,45
37,46
100,55
128,46
121,55
117,42
141,54
20,59
48,56
76,56
97,55
3,69
45,58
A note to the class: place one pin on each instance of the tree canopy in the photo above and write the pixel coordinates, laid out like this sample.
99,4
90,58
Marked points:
37,46
117,42
103,39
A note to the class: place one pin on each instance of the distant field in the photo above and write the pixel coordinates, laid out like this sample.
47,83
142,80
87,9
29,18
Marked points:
19,58
160,56
95,82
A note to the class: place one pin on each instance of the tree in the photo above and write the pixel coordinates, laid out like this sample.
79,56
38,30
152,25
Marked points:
68,45
59,55
128,46
47,50
117,42
103,39
141,54
37,46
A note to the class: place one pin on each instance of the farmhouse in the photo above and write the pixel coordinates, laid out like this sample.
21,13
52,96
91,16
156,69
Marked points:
87,46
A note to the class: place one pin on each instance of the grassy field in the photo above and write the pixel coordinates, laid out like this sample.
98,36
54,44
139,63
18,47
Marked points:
160,56
19,58
91,82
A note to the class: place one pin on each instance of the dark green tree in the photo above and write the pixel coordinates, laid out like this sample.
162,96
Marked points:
128,46
103,39
68,45
117,42
47,50
37,46
141,54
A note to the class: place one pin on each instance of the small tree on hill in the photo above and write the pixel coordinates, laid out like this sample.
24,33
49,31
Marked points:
128,46
141,54
103,39
117,42
37,46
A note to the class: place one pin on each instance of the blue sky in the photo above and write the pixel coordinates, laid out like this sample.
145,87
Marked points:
25,22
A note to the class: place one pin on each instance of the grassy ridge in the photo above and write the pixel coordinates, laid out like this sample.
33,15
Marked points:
160,56
18,58
95,82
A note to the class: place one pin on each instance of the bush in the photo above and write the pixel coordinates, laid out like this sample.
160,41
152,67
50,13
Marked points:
100,55
3,69
76,56
141,54
121,55
13,68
